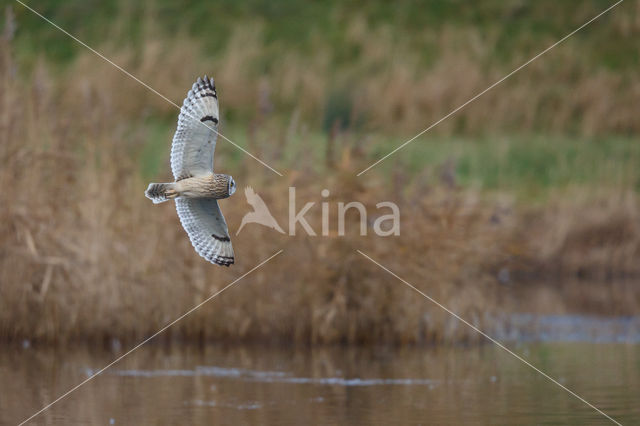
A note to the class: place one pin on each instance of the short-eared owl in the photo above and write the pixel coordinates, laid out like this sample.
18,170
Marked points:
197,188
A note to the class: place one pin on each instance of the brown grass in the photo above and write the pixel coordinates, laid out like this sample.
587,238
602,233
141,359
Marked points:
389,85
83,254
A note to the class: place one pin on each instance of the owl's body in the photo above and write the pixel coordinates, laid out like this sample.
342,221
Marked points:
197,188
214,185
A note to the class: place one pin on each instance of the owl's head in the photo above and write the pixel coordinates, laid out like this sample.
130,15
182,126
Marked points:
223,186
232,186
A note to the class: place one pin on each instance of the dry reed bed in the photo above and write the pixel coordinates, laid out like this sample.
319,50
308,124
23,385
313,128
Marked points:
391,86
84,255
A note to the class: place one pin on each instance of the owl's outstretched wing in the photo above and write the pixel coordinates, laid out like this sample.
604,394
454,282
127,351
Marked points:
207,229
195,139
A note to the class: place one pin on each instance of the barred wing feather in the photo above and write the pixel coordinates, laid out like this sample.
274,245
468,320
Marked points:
195,139
207,229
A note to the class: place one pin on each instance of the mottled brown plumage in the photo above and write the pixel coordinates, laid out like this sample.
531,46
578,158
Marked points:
211,186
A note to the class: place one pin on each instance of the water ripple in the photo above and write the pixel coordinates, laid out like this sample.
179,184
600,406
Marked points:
274,377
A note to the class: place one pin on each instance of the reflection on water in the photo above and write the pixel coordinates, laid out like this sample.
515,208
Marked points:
230,385
570,328
273,377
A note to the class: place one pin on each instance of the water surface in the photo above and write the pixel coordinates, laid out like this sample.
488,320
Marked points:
217,384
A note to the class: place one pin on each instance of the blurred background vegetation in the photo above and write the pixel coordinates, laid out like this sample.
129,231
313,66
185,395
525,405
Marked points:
385,72
533,186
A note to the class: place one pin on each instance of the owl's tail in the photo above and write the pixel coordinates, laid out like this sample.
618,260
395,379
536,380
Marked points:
161,192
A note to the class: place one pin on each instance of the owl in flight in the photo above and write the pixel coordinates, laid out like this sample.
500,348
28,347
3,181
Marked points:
197,188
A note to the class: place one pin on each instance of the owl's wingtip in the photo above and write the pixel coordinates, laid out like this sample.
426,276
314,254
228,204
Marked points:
223,261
